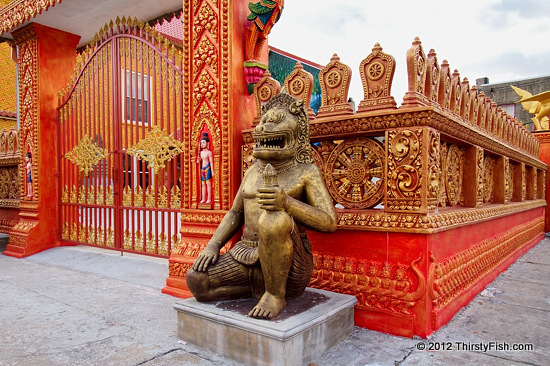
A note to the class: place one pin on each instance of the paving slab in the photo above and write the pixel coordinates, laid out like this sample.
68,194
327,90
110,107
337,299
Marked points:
87,306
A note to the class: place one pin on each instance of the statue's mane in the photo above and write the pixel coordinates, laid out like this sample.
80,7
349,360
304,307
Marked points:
298,110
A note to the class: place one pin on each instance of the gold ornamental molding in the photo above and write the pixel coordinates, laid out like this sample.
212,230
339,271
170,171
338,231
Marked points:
86,155
19,11
156,148
377,220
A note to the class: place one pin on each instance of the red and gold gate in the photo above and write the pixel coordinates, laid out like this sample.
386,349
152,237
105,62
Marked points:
120,142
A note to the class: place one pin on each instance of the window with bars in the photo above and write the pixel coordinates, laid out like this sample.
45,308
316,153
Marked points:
510,109
136,106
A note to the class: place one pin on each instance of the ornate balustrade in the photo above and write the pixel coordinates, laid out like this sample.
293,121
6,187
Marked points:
9,179
411,160
434,197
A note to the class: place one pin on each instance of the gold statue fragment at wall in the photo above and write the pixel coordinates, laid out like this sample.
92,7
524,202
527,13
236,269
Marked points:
539,105
282,193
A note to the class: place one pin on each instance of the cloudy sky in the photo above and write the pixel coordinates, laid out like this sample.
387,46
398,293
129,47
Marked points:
503,40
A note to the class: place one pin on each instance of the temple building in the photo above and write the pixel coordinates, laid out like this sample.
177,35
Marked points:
151,108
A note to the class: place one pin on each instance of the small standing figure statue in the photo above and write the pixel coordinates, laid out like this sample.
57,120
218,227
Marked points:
28,168
205,158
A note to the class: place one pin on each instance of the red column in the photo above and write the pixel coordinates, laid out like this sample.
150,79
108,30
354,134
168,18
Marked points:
225,115
46,59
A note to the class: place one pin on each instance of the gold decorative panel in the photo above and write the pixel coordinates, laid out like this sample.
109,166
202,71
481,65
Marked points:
453,175
156,148
86,155
404,177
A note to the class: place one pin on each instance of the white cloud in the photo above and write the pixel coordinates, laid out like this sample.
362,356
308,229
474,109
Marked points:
527,9
500,39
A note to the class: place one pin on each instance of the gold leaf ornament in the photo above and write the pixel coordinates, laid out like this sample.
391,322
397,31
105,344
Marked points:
156,148
86,155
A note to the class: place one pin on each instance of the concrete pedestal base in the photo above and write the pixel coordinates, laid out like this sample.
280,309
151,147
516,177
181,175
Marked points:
310,325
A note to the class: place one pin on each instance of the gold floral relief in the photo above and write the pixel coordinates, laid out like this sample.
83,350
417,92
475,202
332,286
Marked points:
377,71
150,197
138,197
434,169
205,21
65,195
442,189
100,236
162,194
205,56
535,184
127,197
127,240
488,167
109,199
91,239
334,82
299,84
264,90
404,170
14,183
156,148
91,195
205,88
150,245
318,159
81,233
100,199
480,175
73,195
110,238
453,175
523,182
163,244
74,233
138,243
4,182
509,180
65,232
175,240
86,155
175,197
82,195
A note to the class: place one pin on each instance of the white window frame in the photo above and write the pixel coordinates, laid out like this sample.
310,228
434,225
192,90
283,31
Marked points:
148,86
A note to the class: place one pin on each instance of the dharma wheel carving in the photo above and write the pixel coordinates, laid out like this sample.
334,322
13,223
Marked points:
355,173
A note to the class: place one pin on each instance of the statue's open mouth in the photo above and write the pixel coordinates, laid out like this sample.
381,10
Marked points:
271,141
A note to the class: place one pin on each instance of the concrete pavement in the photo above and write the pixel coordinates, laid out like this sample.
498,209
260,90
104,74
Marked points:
88,306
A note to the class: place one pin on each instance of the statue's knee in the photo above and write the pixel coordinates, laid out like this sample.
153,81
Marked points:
275,224
197,282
